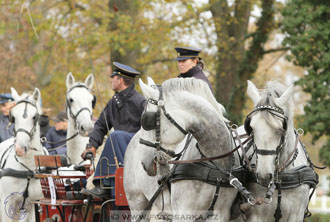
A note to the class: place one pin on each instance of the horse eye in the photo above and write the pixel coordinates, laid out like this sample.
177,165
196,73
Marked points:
71,100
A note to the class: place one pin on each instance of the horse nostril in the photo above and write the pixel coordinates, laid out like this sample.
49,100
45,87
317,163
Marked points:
82,128
20,151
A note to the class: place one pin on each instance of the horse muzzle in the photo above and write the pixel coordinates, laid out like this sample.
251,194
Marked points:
20,151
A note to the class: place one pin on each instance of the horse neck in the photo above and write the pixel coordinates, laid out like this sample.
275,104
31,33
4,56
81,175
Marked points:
76,145
211,133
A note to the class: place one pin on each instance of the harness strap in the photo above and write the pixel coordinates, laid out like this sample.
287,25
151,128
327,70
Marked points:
150,144
173,121
210,211
209,158
9,172
278,212
152,200
3,155
266,152
243,150
26,193
284,165
44,139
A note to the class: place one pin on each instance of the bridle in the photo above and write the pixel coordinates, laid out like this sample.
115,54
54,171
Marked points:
274,180
151,121
68,104
276,112
35,121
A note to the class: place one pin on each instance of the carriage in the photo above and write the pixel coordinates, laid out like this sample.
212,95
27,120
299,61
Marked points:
60,186
63,201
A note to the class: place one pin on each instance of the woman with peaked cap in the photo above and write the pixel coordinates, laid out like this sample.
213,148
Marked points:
190,64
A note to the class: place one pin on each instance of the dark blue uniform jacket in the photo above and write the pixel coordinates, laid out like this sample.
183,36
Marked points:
197,73
5,131
123,112
54,136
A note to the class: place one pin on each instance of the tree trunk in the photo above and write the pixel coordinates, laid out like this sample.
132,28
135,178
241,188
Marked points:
236,64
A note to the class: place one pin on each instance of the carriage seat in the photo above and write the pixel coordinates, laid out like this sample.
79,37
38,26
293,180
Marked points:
45,162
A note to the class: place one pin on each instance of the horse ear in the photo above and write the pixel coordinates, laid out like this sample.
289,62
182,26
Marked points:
148,91
280,102
151,81
14,94
253,93
69,80
36,95
89,81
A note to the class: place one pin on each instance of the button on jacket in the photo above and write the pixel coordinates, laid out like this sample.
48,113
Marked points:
123,112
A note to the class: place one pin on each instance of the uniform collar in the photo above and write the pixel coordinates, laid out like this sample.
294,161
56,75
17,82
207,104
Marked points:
121,97
191,72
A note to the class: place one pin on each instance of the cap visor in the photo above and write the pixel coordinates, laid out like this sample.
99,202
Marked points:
182,58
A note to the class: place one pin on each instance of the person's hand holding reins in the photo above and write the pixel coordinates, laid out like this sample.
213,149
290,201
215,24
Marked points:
90,150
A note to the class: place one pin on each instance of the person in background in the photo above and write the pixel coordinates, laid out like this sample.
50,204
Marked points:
123,114
44,122
6,129
56,134
190,64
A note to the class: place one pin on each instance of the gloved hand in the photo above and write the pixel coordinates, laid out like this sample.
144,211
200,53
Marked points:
89,150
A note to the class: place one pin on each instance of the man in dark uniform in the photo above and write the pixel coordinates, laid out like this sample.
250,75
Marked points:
190,64
123,113
6,103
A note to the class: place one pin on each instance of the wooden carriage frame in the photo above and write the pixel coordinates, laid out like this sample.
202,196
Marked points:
63,200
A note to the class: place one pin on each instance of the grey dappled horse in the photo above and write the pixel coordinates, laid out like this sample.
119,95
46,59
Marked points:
277,149
79,107
192,106
17,160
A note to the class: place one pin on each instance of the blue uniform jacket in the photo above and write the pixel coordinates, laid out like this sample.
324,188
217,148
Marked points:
5,131
54,136
122,112
197,73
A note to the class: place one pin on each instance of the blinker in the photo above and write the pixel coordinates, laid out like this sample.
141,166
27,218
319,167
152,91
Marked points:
148,120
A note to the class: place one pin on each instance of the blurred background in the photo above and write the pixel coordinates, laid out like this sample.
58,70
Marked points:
41,41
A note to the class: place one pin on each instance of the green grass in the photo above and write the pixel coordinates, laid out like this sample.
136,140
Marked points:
318,218
318,204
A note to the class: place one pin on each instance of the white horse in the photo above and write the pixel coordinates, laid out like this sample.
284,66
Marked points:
17,160
79,106
191,105
277,150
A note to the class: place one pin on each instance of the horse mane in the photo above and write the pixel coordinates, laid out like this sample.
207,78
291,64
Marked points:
194,86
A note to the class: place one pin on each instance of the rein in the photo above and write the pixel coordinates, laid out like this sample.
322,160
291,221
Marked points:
44,139
210,158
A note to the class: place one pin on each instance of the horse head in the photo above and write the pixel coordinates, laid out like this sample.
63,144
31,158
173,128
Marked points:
25,115
269,122
79,103
173,109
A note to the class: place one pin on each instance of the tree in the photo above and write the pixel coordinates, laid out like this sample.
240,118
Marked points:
84,36
239,48
306,26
